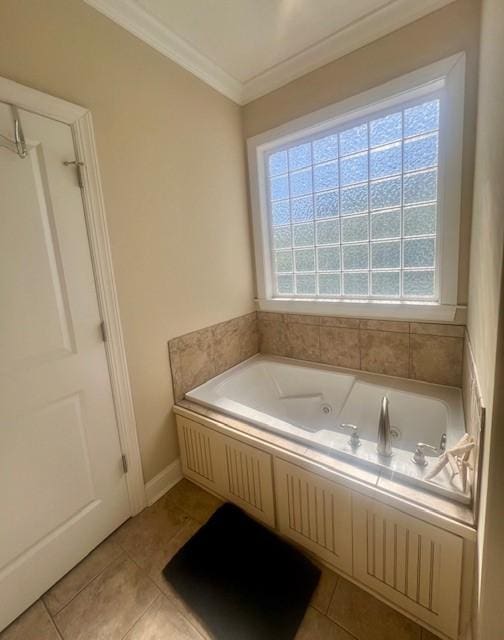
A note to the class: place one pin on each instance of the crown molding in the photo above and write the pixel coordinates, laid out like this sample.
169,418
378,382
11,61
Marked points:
378,23
374,25
136,20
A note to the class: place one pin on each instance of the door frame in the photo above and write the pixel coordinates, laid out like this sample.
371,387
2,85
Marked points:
81,123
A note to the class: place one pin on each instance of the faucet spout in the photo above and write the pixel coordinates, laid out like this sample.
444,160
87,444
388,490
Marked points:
384,442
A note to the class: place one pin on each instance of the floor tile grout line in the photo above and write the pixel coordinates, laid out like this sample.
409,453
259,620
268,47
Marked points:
337,624
333,591
164,595
144,612
87,583
147,573
188,620
53,621
123,554
332,622
324,613
352,636
159,595
190,515
178,607
183,512
341,626
144,572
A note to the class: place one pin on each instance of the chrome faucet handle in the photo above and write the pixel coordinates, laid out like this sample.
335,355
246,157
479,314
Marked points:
354,434
419,455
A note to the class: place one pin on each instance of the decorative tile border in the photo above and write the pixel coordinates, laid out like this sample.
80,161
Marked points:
422,351
198,356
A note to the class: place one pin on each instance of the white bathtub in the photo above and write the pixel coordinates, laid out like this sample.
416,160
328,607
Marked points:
309,403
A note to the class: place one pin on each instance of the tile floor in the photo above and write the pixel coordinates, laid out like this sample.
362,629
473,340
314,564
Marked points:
118,591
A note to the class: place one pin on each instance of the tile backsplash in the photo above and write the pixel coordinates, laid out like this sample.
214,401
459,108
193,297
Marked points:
422,351
474,412
198,356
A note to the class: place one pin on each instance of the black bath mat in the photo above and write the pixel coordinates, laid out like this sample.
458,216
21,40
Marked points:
242,580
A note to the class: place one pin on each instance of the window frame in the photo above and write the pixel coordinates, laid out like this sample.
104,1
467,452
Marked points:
444,78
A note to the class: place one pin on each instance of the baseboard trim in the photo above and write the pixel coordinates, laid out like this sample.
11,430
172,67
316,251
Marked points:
163,482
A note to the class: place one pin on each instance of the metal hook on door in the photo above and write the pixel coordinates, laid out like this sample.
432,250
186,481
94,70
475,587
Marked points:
19,144
18,134
78,165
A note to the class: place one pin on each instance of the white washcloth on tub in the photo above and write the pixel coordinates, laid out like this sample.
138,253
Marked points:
458,459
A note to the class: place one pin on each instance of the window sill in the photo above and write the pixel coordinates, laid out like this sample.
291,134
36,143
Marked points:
363,309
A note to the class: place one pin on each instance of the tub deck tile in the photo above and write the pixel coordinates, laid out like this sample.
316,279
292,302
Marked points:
455,510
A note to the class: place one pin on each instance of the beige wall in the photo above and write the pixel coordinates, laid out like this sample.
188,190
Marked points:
171,156
172,161
438,35
486,312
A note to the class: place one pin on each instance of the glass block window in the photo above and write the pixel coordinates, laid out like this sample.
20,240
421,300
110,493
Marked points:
353,211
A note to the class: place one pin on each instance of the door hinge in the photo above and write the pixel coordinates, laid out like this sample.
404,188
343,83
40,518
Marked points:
103,331
124,463
78,166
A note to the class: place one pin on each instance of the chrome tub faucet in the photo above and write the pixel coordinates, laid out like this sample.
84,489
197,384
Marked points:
384,443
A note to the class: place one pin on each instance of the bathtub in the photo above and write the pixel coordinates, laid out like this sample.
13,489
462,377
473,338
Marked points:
309,403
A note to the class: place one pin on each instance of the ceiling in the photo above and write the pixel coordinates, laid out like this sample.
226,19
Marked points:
246,48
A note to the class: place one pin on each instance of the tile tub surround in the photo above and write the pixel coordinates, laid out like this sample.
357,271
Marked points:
474,412
422,351
430,352
474,409
198,356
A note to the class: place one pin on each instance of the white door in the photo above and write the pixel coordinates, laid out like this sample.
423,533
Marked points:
62,485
